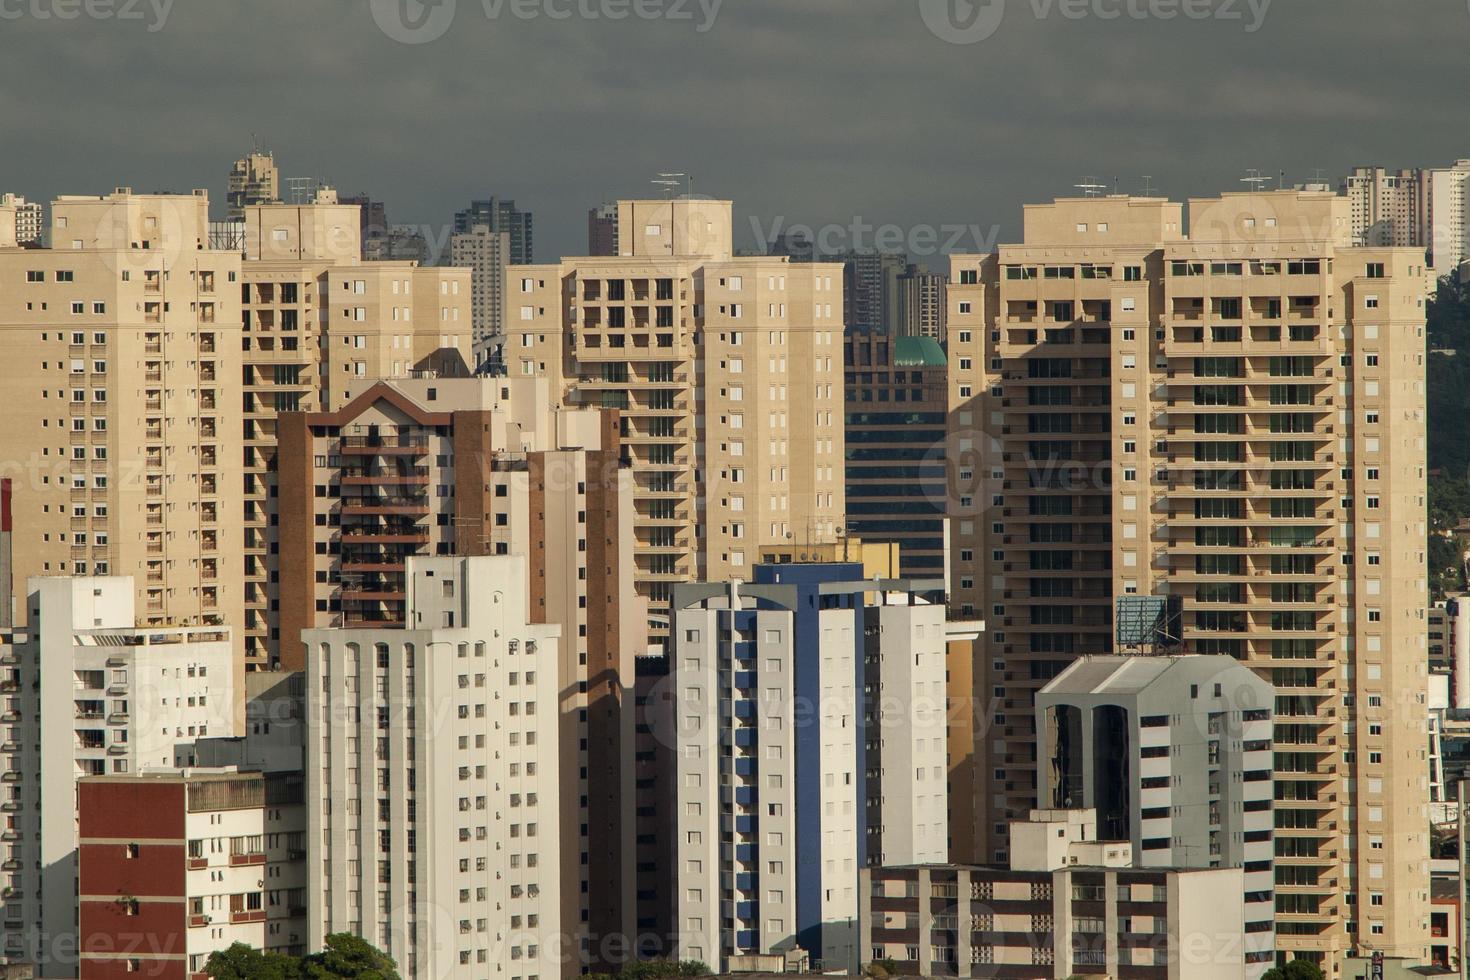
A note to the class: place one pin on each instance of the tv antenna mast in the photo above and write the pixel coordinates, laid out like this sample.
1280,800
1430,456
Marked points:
1090,187
1148,185
302,188
1255,179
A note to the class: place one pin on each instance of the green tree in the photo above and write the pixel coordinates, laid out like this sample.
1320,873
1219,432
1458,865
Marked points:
664,970
349,957
1295,970
242,962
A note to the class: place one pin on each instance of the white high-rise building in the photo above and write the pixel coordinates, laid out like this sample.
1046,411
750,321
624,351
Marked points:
432,778
88,693
1449,220
811,730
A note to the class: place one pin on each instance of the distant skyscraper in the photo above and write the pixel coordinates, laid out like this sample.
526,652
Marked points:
922,298
896,412
870,284
602,230
795,245
486,254
1421,207
30,219
1448,238
374,222
254,179
499,214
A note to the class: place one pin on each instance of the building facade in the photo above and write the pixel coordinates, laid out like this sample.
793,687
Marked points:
486,254
728,374
30,219
897,409
469,467
193,861
1234,417
774,821
500,215
923,300
91,691
1068,905
602,230
317,320
432,783
121,354
1173,755
1423,207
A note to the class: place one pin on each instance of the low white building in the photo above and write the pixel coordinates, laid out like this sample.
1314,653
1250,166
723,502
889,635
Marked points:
98,695
1173,754
432,778
242,839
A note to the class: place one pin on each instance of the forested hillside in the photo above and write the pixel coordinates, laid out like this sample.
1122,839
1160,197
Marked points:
1448,396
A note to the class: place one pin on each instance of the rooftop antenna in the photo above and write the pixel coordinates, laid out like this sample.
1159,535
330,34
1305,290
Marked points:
301,187
670,184
1148,185
1255,179
1090,187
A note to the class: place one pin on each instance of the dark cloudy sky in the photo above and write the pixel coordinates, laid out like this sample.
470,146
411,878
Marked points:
807,111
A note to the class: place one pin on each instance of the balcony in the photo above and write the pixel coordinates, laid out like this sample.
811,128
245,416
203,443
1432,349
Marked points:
355,536
388,445
386,479
407,506
245,860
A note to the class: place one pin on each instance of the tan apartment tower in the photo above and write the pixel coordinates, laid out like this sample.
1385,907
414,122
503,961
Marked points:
317,319
120,360
728,375
1233,417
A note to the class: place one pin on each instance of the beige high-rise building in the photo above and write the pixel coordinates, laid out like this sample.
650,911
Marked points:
1235,418
1388,207
1424,207
922,299
120,360
728,374
30,218
317,320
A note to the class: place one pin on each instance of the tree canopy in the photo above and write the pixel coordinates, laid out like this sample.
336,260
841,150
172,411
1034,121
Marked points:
344,957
